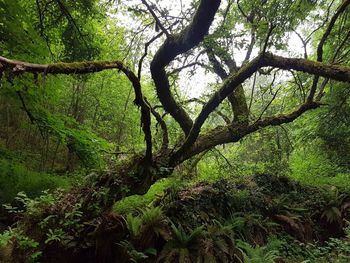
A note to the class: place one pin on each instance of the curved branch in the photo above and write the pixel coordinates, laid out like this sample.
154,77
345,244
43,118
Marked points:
336,72
175,45
146,52
227,134
165,142
192,64
229,85
237,98
19,67
323,40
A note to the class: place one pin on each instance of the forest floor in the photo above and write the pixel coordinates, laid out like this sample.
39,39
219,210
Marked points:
260,218
263,218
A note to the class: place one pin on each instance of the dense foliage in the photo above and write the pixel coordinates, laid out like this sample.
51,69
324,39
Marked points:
175,131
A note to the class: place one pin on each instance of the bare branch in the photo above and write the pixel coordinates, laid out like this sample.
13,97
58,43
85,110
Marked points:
341,46
223,116
70,18
323,40
250,47
158,23
299,83
165,143
304,42
146,52
242,12
223,157
269,33
188,66
268,104
252,93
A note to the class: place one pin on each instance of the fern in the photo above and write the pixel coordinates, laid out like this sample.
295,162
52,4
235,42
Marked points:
182,246
153,219
134,224
135,255
258,254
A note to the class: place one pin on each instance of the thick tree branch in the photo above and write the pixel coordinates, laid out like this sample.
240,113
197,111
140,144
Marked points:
217,66
237,98
335,72
323,40
19,67
227,134
175,45
340,73
227,88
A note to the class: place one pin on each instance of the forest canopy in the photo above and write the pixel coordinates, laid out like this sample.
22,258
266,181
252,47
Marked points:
107,105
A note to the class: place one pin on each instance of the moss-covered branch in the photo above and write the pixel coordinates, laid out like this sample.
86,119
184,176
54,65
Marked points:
20,67
335,72
228,134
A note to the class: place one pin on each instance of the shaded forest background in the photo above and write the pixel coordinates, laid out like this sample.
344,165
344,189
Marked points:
58,131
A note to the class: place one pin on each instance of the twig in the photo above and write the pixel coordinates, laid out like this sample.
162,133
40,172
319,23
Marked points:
158,23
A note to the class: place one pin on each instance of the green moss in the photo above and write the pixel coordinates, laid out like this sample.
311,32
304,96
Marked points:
133,202
79,66
61,66
16,178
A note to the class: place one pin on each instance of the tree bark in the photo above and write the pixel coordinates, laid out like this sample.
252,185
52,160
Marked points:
175,45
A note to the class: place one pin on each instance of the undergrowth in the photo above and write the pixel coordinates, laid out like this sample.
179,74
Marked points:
15,177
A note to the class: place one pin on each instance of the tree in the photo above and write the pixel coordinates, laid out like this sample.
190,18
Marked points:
212,31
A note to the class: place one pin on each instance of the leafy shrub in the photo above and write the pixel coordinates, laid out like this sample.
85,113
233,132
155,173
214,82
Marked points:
26,248
314,168
208,243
